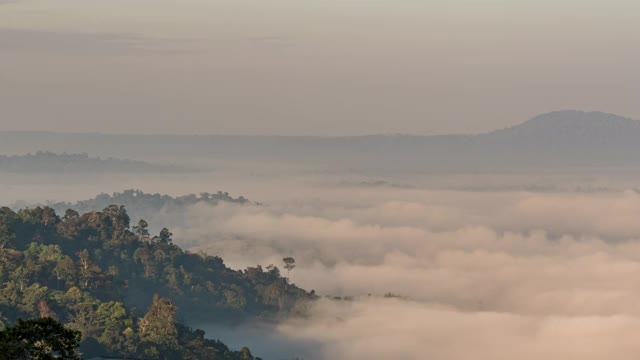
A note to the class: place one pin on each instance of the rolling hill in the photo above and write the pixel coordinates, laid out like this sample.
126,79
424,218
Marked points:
562,139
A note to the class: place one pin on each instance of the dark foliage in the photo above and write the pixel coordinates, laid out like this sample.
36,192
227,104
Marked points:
123,289
39,339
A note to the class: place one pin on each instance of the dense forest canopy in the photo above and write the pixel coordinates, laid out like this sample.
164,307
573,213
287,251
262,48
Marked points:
124,288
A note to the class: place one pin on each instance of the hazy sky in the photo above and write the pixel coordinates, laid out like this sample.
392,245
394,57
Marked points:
319,67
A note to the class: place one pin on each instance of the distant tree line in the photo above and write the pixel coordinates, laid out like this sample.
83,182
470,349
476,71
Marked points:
141,205
53,163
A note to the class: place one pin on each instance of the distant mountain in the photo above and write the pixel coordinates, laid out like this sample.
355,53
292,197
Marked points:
48,163
562,139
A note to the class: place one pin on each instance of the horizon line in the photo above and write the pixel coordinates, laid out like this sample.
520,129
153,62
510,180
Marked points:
452,134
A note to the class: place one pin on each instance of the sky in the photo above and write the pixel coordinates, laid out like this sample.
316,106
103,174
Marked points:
312,67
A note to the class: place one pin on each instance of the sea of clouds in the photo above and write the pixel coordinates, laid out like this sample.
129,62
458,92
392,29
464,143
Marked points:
483,275
490,274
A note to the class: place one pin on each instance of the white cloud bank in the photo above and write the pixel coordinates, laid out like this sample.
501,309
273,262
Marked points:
394,329
487,275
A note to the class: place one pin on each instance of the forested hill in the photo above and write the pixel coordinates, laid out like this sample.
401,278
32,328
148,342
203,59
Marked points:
141,205
98,274
52,163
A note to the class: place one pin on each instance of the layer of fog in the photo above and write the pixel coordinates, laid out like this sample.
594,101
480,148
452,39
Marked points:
500,275
494,273
470,250
393,329
276,182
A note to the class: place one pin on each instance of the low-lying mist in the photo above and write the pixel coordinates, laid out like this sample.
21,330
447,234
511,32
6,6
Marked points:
468,250
500,274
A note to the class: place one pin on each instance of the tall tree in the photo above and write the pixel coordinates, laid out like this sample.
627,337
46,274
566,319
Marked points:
142,229
90,273
289,264
158,325
165,236
119,218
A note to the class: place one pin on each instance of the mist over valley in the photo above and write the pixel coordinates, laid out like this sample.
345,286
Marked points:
319,180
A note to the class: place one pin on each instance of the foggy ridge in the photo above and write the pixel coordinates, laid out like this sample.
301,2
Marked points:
52,163
557,139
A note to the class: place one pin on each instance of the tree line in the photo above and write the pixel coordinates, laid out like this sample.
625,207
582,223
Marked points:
127,292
